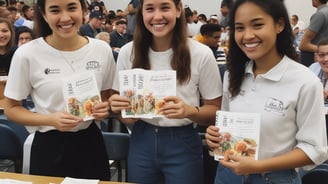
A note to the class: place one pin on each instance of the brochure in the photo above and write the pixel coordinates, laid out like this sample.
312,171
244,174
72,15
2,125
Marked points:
240,134
81,94
146,90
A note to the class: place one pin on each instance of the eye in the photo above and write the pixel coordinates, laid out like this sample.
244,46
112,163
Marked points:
239,28
258,25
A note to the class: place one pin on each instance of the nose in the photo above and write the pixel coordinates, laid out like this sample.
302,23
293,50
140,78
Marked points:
248,34
65,16
157,15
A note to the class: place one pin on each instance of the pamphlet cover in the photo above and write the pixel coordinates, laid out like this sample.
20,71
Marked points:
240,134
146,90
81,94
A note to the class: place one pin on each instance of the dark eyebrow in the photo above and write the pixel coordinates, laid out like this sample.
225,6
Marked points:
56,6
253,20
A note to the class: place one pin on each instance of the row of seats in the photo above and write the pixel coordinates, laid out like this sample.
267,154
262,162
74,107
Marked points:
15,146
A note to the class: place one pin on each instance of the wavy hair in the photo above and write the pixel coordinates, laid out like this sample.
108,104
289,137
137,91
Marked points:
237,59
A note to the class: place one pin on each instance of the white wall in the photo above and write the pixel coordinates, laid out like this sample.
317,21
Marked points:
303,8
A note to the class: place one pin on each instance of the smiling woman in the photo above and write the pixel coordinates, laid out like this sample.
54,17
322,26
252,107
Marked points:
62,141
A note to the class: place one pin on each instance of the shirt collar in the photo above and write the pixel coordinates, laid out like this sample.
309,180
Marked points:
275,73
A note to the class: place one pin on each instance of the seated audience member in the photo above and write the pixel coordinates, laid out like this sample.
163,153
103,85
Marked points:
210,36
7,50
94,26
117,36
213,19
23,35
106,37
28,12
320,67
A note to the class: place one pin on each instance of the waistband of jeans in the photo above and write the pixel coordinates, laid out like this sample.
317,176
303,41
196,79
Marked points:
268,174
163,130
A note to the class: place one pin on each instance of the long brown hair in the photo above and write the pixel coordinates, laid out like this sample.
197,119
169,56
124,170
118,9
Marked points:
181,53
11,43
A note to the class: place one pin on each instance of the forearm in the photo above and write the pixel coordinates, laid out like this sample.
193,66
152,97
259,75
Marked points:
20,115
205,115
293,159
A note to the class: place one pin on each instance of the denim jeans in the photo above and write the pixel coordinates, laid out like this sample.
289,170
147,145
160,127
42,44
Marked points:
277,177
226,176
165,155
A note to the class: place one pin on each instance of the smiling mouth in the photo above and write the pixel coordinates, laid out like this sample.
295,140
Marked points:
251,45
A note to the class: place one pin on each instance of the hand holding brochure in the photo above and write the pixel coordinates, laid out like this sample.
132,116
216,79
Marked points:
146,90
81,94
240,134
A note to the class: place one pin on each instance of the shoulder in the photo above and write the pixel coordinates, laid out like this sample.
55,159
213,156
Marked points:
299,72
195,45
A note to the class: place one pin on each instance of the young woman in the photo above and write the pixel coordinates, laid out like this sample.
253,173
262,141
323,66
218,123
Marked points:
168,149
7,45
263,77
7,50
64,144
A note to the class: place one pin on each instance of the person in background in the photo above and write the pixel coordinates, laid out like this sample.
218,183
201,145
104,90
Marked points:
7,50
94,25
262,62
316,31
225,9
117,36
210,36
28,12
131,18
202,18
298,30
23,35
64,145
213,19
193,28
168,149
319,67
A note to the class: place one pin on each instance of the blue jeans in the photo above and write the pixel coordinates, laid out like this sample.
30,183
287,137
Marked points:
226,176
165,155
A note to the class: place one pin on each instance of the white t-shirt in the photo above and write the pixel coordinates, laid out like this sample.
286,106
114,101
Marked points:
37,69
205,76
289,99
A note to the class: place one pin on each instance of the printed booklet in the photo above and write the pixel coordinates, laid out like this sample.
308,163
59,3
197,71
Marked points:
240,134
146,90
81,94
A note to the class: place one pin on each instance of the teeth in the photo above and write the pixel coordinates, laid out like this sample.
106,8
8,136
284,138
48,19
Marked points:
251,45
66,27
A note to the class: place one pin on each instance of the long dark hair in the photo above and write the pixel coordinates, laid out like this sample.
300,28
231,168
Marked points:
181,54
237,59
41,27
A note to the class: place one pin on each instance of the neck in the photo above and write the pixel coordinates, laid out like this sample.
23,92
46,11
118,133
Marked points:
264,66
71,44
3,50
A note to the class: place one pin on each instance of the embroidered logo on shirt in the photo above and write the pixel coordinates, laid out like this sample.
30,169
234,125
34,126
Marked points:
48,71
93,65
276,106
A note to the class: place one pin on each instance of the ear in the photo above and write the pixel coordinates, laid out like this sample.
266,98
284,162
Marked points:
280,25
179,10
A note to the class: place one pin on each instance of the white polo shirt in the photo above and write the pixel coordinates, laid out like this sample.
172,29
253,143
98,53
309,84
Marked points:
289,99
